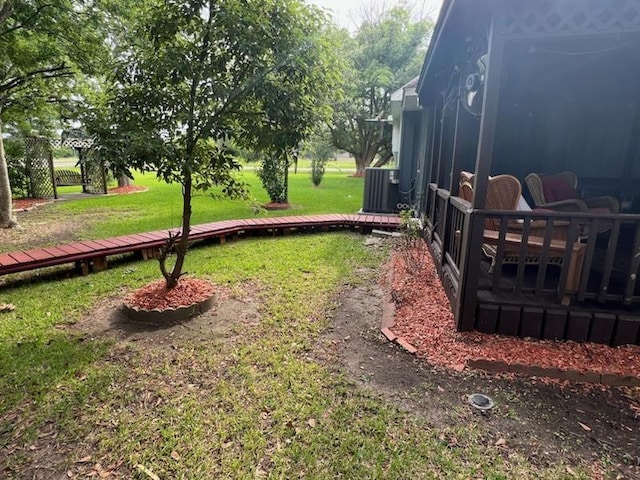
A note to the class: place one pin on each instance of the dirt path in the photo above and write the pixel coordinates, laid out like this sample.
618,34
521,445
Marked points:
545,423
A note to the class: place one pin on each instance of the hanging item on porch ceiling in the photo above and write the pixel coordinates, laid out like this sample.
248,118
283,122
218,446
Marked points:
473,77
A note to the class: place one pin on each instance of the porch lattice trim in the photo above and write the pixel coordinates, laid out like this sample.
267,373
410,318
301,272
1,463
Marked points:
568,17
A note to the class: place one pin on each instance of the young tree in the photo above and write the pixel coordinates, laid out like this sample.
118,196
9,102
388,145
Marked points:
42,42
192,80
295,99
385,53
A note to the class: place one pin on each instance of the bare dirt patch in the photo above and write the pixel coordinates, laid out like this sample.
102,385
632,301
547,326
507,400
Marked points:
44,226
593,427
233,312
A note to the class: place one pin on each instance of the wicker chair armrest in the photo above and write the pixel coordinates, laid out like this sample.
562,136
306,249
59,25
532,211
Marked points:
610,203
572,205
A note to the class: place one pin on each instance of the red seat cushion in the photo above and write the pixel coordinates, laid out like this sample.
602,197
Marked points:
557,188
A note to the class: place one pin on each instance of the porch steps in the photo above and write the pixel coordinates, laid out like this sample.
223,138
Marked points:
92,254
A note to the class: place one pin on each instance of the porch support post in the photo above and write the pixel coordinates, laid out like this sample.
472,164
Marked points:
431,147
489,117
455,161
472,242
440,131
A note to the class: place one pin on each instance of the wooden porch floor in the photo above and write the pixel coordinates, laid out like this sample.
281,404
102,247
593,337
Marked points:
93,253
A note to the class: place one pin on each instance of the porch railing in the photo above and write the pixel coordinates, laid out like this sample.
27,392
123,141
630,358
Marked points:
565,261
578,256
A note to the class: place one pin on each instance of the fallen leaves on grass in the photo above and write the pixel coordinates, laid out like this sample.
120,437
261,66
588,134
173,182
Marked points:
7,307
424,318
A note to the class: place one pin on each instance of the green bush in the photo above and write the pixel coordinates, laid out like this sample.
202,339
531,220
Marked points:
317,170
272,174
64,152
18,177
16,164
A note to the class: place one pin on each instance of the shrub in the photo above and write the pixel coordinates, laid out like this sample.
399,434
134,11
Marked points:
272,174
317,170
17,166
63,152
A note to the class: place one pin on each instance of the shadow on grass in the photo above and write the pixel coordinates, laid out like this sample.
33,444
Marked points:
30,370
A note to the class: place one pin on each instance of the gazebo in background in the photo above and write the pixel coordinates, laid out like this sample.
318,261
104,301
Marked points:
43,179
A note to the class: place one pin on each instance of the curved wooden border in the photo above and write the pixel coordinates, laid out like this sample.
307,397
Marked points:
171,314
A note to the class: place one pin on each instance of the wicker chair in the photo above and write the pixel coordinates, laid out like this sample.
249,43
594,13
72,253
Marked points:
503,193
559,192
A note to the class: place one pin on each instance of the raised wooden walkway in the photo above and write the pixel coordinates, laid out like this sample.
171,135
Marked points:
92,254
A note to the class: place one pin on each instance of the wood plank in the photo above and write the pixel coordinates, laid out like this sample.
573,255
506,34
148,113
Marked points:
627,331
69,249
106,243
509,320
56,252
119,242
578,326
487,318
602,327
38,254
92,245
555,323
6,259
532,322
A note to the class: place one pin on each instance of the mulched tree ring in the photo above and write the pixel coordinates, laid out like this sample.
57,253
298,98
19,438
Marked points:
277,206
127,189
27,204
154,303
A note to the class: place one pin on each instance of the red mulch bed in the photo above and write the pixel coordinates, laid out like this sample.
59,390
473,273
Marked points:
277,206
155,295
26,203
127,189
423,317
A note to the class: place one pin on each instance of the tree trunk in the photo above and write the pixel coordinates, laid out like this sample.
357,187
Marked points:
7,220
183,242
286,178
123,180
363,160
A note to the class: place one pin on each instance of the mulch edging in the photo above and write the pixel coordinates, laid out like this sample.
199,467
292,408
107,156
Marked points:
388,320
498,366
32,205
164,316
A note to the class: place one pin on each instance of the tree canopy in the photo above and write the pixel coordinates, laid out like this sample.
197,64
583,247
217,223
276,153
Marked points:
190,83
386,52
42,44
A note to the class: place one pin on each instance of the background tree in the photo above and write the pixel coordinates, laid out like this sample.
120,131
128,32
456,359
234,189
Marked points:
319,148
295,99
191,84
385,53
42,43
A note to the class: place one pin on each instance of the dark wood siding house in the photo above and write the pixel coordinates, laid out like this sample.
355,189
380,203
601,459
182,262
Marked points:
511,88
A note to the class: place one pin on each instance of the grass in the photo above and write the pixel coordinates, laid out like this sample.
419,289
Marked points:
257,406
161,206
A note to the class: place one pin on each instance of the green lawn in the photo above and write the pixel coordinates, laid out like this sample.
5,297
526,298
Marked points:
256,406
161,206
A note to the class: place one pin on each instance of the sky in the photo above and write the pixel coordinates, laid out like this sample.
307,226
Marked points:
342,10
